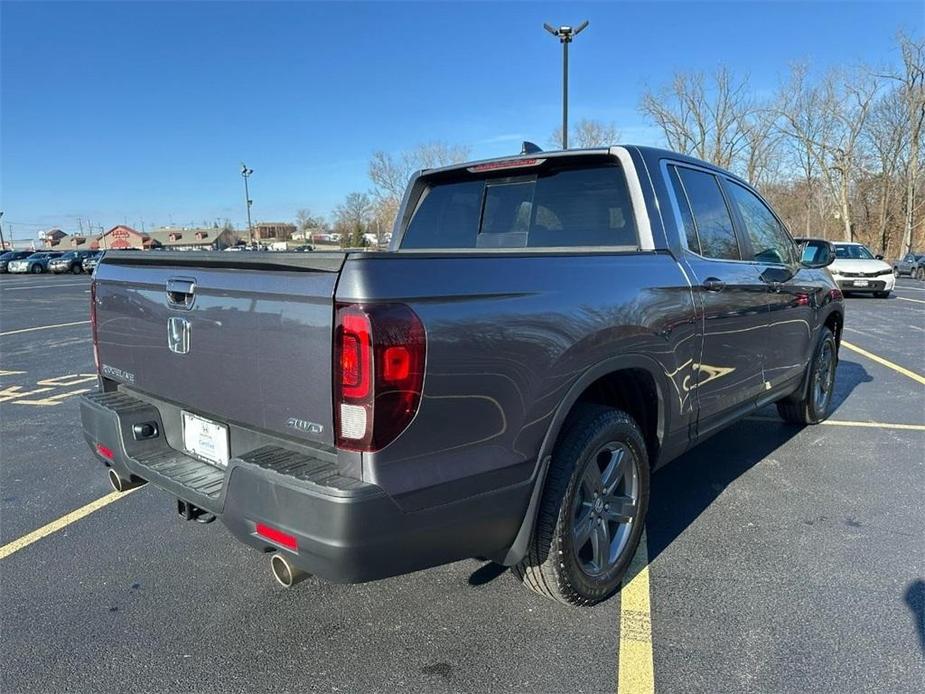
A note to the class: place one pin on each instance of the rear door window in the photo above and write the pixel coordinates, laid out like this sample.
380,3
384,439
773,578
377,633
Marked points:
712,222
562,207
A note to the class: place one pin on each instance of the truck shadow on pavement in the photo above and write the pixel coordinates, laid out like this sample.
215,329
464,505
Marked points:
915,599
686,487
689,485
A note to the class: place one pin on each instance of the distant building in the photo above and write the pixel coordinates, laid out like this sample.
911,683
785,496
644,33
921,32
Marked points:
192,239
121,237
77,242
52,237
276,231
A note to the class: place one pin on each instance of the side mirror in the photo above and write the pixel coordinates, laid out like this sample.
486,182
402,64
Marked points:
817,253
879,257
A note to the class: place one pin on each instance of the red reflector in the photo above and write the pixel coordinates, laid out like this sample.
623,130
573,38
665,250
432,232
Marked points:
104,451
506,164
278,536
396,364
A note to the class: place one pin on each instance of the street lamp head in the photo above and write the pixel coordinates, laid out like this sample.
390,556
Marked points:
566,33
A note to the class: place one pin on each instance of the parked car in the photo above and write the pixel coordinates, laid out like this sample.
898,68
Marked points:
72,261
543,332
856,269
90,261
912,264
34,262
5,258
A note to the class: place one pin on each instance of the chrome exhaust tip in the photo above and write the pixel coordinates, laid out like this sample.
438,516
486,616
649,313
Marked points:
121,484
285,573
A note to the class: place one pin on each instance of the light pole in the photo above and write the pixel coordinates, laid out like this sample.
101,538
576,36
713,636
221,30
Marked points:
2,242
565,34
245,174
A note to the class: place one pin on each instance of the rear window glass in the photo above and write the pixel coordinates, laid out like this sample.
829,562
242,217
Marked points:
586,206
711,218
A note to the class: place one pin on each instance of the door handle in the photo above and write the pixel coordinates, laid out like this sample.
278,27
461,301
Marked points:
713,284
180,292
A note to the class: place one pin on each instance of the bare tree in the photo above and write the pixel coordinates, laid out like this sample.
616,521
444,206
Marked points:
911,83
828,119
707,117
801,128
886,134
352,218
306,221
587,133
390,173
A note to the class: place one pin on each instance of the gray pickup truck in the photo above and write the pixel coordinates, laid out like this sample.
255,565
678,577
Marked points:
543,332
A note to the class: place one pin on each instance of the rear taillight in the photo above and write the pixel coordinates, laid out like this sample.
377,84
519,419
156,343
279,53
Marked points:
379,355
96,346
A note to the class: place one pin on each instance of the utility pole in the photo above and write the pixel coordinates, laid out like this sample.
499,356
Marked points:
245,174
565,34
2,242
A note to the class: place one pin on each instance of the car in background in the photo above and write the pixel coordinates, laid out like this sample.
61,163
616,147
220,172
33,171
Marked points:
36,262
12,255
90,260
856,269
72,261
912,264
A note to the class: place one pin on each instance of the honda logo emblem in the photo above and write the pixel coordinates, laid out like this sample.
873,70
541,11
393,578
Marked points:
178,335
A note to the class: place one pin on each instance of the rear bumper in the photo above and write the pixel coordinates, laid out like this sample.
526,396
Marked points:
347,531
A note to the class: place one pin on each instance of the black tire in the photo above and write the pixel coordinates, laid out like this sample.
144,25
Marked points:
919,273
553,567
882,295
810,409
36,269
76,269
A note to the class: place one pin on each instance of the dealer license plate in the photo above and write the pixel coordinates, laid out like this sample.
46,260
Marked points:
205,439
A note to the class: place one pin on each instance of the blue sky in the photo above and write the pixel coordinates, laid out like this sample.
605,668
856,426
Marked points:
135,111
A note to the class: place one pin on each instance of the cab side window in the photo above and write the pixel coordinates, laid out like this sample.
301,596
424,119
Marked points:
770,243
707,222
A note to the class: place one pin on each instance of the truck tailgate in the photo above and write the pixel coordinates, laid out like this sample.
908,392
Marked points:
237,337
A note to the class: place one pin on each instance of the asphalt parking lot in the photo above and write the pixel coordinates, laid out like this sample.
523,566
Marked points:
777,560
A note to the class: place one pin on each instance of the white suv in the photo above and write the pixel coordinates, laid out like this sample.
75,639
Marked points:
856,269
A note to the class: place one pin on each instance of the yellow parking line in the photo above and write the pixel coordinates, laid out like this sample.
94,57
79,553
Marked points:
847,423
635,673
905,298
880,360
44,327
56,525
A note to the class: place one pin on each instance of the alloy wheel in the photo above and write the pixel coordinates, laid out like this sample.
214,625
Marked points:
824,377
605,508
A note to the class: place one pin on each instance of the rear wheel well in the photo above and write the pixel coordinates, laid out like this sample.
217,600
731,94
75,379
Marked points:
635,392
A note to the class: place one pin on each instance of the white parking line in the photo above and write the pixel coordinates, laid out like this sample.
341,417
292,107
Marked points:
44,327
905,298
44,286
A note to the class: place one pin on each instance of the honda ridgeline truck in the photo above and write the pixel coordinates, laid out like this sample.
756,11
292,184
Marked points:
542,333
